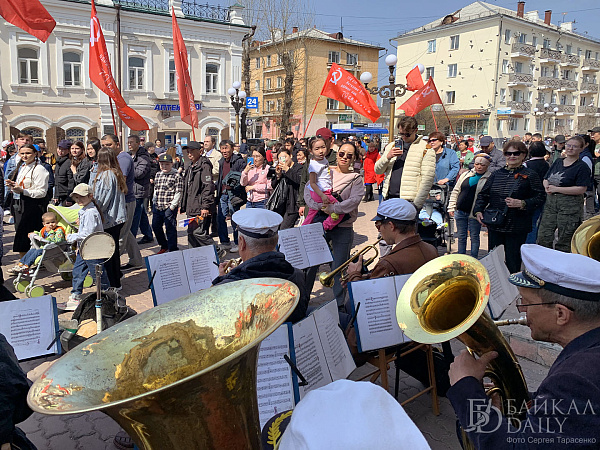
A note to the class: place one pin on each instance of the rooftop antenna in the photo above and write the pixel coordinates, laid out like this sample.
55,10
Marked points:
342,25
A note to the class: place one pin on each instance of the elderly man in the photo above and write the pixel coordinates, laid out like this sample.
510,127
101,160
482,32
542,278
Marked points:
214,155
396,222
142,168
408,165
258,237
486,143
560,292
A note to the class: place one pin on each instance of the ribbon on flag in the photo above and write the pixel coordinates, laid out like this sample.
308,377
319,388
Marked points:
424,97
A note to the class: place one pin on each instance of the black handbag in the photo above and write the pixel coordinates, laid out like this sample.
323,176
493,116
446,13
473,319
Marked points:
277,200
497,217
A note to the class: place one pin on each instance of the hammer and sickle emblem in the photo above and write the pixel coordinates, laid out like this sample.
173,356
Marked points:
427,91
336,76
94,31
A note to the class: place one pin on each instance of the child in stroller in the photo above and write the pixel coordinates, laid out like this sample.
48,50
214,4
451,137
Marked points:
433,224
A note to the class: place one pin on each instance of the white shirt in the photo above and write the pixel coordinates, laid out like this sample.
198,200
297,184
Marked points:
34,180
321,168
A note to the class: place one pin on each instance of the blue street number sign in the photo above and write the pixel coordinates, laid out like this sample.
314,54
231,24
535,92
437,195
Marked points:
251,102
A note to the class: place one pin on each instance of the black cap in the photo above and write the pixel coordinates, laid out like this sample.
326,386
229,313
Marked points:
594,130
193,145
165,158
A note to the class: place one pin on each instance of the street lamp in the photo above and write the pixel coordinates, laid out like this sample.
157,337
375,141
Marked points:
391,91
238,101
546,110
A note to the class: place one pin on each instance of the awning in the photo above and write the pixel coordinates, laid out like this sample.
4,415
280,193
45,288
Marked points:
365,130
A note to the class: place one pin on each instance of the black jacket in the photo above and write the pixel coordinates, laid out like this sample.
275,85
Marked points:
82,175
142,168
271,264
198,188
292,176
63,178
527,186
237,165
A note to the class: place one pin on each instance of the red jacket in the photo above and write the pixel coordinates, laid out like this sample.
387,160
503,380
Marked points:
369,166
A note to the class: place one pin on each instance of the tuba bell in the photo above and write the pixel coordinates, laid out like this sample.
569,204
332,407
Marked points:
181,375
586,239
445,299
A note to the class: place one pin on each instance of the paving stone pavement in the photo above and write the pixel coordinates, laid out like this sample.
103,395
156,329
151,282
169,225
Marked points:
95,431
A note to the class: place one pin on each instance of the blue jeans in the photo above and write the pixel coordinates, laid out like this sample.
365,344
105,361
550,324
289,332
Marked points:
535,221
436,216
260,204
464,224
31,256
224,209
169,219
140,219
81,269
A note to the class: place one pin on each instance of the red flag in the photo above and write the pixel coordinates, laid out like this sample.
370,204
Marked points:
414,81
28,15
343,86
101,75
424,97
187,106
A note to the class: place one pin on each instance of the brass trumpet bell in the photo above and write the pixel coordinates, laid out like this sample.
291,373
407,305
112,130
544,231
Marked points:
586,239
179,376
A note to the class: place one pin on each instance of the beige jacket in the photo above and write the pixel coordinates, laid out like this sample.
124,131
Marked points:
214,158
457,189
418,173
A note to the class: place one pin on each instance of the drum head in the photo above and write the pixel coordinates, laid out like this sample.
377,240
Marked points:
98,245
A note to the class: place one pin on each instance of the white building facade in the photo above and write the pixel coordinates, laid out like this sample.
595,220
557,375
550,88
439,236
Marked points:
46,90
505,73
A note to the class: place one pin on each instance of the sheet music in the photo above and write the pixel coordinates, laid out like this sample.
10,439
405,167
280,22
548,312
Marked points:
376,322
310,357
274,384
170,281
502,292
290,244
29,325
315,244
337,354
200,267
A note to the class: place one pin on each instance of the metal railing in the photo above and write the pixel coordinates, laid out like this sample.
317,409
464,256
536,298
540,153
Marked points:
144,5
195,9
549,82
524,78
566,109
525,49
572,60
547,53
568,84
588,109
588,62
589,86
519,106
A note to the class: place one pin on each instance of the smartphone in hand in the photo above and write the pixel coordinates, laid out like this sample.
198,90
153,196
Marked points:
398,143
251,160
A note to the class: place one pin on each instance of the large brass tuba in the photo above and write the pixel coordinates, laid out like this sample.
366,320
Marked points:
586,239
445,299
179,376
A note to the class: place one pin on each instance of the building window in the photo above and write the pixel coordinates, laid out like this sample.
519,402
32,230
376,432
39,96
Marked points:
351,59
72,68
268,83
522,38
212,77
212,132
76,134
257,85
553,98
332,104
563,99
518,67
499,125
172,76
502,95
279,59
334,57
278,104
534,41
454,42
279,82
269,61
526,126
258,63
429,71
329,125
570,124
450,97
517,95
431,46
28,66
504,66
452,70
546,43
507,36
513,125
33,132
588,54
578,51
539,123
582,101
136,73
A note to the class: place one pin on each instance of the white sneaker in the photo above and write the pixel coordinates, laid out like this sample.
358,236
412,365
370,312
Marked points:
73,302
226,246
234,249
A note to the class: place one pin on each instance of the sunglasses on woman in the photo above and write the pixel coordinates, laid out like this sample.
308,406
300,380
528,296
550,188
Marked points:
405,134
512,153
345,155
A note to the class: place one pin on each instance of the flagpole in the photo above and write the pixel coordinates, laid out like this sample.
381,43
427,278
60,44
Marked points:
193,133
433,115
451,127
311,116
112,112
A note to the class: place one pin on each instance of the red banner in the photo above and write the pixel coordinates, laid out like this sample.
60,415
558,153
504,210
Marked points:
343,86
101,75
28,15
187,106
424,97
414,80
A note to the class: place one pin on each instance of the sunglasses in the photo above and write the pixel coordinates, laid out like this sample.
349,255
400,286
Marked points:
347,155
405,134
431,140
512,153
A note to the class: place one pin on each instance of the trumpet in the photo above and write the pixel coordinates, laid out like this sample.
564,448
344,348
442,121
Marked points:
326,278
231,263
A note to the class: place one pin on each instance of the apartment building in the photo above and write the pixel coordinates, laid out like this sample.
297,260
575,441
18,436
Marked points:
314,52
46,90
505,73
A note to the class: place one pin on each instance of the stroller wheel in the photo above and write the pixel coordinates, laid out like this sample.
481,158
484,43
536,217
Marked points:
34,291
21,285
67,276
88,281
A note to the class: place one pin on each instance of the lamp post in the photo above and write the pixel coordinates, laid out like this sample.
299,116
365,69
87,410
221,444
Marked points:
238,101
547,110
391,90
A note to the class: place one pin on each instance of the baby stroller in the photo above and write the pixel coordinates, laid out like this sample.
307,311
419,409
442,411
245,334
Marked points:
435,225
55,257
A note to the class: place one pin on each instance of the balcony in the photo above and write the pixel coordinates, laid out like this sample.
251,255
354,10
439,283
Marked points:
548,83
519,50
587,110
520,79
588,87
519,107
591,64
569,60
549,56
567,85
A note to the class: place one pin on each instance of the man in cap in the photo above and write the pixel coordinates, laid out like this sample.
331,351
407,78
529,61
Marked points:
258,237
396,222
168,189
142,167
559,147
560,292
214,155
486,144
198,199
527,139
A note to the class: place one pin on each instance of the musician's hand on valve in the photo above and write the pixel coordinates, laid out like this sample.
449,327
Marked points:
465,365
355,267
222,268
